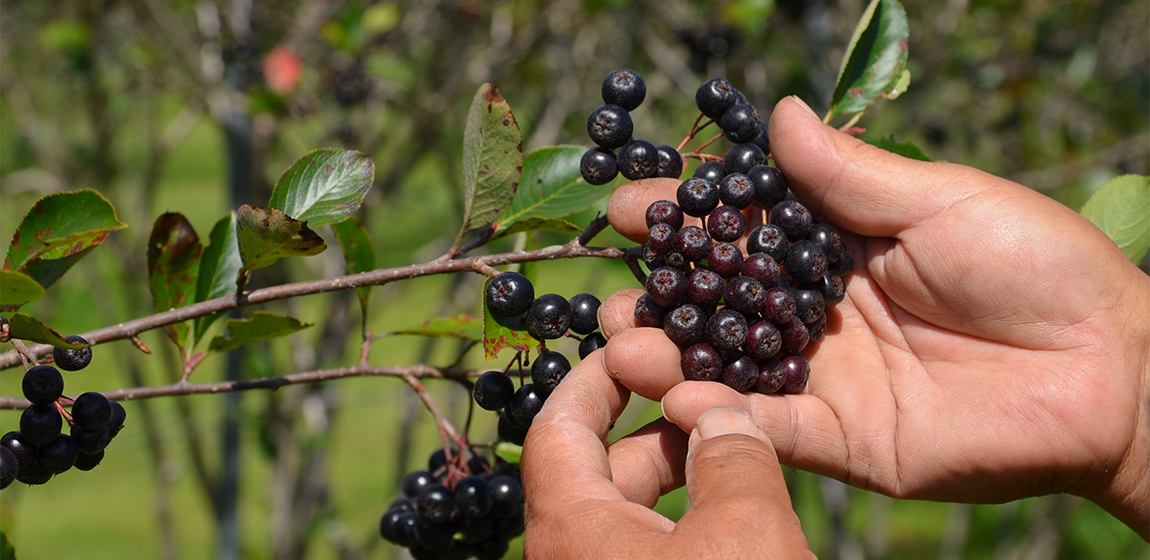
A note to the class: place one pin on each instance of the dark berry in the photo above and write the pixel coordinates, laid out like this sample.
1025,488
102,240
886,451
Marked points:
493,548
697,197
670,162
726,223
510,527
770,240
726,330
693,243
742,158
72,359
43,384
676,259
794,219
506,496
525,405
548,317
648,313
584,313
624,88
40,424
779,306
35,474
805,261
763,340
8,467
116,421
771,377
509,432
437,460
798,371
828,240
652,259
85,462
704,288
740,374
740,123
59,455
548,370
25,452
770,185
711,171
664,212
833,288
725,259
763,140
493,390
745,295
389,523
736,190
795,336
846,263
638,159
91,410
472,495
598,166
686,325
591,343
661,239
809,305
817,329
667,286
415,481
475,530
609,126
478,464
715,96
761,267
434,504
701,362
509,295
89,442
433,536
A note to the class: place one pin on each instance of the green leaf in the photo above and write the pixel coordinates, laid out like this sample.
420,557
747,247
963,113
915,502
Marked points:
358,253
59,230
501,332
262,326
324,187
173,264
466,327
508,451
16,289
874,65
1121,209
492,158
265,236
30,329
539,224
220,264
7,551
551,187
904,149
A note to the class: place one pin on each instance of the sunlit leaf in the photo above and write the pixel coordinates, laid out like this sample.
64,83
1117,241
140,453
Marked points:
261,326
173,266
539,224
551,187
874,65
500,332
358,253
30,329
508,451
16,289
1121,209
324,187
466,327
492,158
905,149
265,236
59,230
220,264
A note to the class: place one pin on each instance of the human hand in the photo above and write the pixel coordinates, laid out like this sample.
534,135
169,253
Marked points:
993,344
589,500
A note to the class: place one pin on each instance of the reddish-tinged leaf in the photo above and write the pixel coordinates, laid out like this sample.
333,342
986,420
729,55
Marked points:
30,329
267,235
466,327
500,333
173,267
16,289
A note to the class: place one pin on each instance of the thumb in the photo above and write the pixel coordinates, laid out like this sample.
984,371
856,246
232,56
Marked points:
863,188
736,488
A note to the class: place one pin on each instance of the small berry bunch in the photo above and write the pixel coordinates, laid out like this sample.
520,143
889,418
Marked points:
454,512
510,297
38,450
610,127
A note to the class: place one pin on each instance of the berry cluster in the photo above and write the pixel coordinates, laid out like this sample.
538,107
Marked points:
610,127
510,298
739,318
453,511
38,450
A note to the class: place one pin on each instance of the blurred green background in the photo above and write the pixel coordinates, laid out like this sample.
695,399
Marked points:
169,106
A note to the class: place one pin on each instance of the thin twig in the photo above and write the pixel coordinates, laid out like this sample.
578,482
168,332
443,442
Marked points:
25,353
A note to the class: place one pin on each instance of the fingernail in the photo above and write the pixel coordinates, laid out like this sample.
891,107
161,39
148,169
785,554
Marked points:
723,420
804,105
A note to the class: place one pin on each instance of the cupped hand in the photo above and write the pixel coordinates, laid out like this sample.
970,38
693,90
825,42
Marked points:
586,499
993,344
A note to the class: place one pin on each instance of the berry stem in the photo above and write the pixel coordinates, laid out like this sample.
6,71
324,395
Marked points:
447,432
695,128
709,142
26,355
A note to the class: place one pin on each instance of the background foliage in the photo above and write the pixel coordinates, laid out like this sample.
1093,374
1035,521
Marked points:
192,106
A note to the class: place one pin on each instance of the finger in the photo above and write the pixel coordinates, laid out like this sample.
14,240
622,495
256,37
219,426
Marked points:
617,312
861,187
736,487
645,361
627,209
649,462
